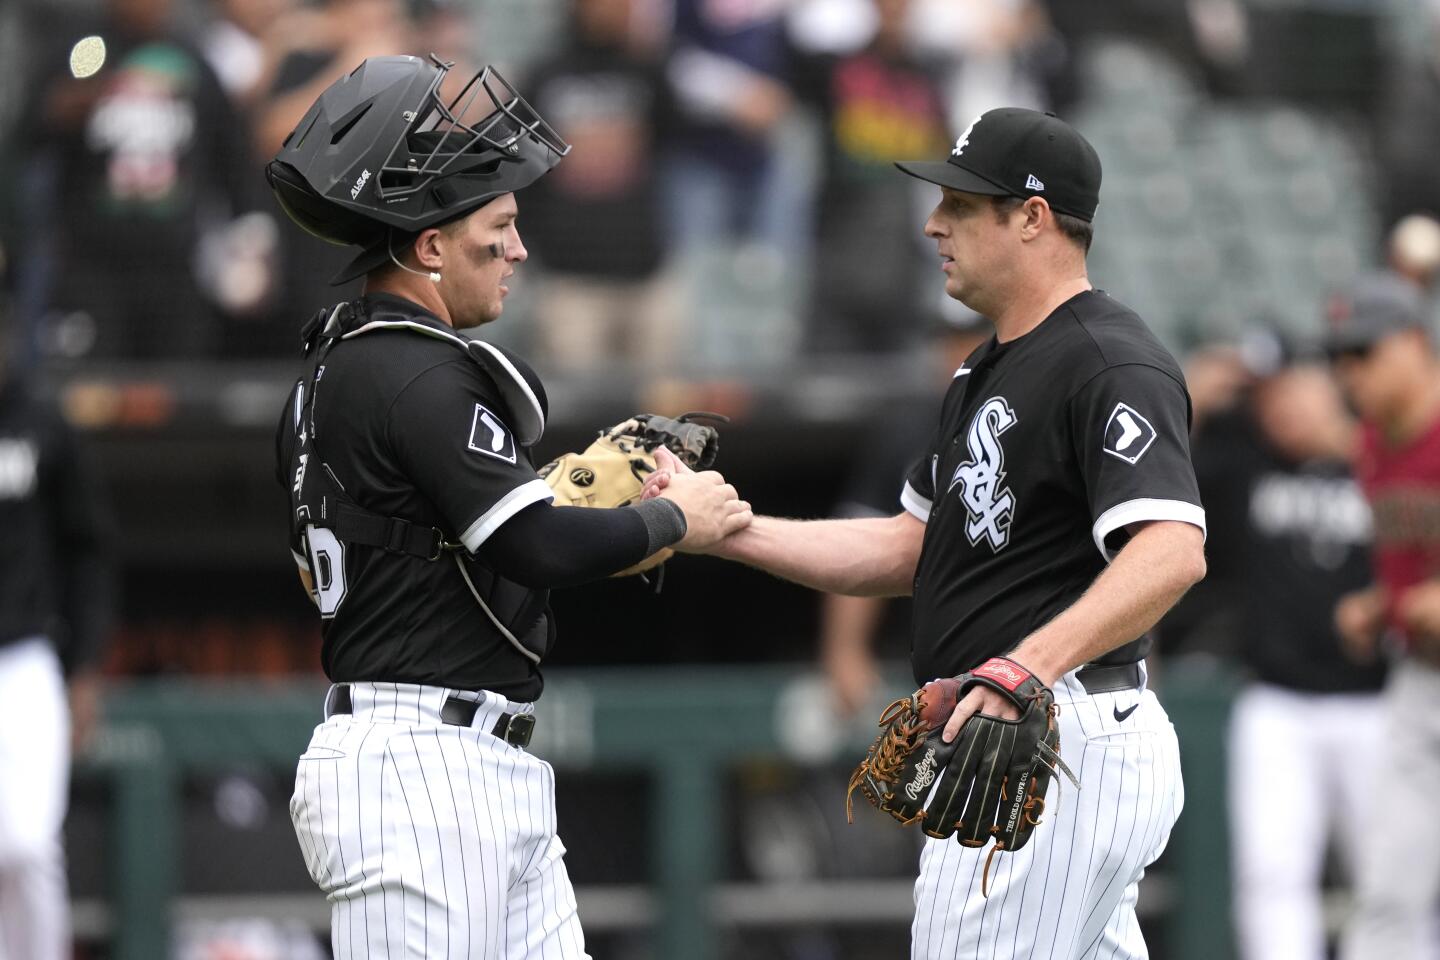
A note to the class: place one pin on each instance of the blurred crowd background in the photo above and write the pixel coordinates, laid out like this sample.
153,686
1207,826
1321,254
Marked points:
730,203
727,234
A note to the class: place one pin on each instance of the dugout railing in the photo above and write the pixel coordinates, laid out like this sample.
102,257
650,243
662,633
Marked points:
686,726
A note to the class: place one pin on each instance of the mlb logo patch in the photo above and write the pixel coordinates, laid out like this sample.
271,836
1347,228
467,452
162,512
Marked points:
490,437
1128,434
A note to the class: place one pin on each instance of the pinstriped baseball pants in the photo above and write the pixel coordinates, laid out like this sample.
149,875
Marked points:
1070,893
432,840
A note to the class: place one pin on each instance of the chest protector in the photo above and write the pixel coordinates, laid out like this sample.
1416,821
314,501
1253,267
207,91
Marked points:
319,500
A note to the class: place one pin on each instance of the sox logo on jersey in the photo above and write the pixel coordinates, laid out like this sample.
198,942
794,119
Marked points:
990,507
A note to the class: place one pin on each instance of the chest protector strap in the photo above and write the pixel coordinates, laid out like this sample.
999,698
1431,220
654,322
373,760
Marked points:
319,498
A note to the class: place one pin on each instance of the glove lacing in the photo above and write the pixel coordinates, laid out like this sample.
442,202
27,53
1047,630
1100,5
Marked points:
885,758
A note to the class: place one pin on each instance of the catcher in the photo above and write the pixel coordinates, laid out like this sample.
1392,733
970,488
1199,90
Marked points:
427,538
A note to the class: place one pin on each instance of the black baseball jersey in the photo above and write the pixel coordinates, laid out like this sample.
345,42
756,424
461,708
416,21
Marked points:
1047,447
406,423
1287,539
56,578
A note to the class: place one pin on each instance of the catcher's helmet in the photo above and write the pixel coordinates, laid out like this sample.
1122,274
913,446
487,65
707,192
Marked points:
380,150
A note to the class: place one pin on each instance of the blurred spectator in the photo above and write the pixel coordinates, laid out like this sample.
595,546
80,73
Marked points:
139,154
1001,53
1414,250
55,609
239,44
318,45
723,182
1387,363
445,28
877,104
595,222
1288,533
851,626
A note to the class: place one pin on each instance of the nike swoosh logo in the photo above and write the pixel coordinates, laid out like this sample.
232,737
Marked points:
1122,715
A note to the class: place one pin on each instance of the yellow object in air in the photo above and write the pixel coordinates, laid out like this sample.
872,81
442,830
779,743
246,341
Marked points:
87,57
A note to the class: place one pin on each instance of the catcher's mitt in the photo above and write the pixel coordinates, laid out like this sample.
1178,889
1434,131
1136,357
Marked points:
611,471
988,783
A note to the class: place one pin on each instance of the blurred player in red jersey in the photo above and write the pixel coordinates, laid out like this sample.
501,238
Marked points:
1387,362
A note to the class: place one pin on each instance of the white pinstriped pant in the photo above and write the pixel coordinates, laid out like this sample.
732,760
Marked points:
1070,892
34,779
432,840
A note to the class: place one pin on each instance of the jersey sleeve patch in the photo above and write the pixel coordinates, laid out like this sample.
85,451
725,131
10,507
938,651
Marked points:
1128,434
488,435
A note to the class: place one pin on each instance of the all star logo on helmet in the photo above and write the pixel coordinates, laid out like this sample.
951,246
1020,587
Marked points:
991,506
360,182
964,139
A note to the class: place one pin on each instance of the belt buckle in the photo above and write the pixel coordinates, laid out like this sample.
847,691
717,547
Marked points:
519,728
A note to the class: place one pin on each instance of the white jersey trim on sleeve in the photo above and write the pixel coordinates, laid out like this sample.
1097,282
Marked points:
535,491
1137,511
914,504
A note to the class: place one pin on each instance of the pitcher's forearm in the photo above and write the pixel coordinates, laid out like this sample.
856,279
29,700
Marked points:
871,557
1145,580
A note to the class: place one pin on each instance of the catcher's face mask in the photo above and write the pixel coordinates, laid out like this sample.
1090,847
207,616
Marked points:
382,148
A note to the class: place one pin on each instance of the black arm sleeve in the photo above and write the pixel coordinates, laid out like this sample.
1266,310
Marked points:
85,572
545,547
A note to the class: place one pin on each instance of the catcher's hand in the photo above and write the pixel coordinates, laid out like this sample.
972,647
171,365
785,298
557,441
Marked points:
611,471
989,782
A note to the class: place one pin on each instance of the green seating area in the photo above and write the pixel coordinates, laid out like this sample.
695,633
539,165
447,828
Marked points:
1220,215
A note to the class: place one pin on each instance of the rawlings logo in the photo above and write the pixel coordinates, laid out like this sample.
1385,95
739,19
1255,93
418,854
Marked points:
582,476
924,775
1002,673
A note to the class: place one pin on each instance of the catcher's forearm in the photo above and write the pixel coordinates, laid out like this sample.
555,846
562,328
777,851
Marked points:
1145,579
545,547
867,557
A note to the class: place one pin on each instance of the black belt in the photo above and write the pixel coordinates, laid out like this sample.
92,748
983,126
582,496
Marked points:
1108,678
514,728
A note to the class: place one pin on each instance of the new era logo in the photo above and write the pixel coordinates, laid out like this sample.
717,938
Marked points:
1033,182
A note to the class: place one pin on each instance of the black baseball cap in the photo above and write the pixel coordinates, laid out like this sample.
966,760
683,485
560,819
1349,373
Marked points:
1375,306
1014,152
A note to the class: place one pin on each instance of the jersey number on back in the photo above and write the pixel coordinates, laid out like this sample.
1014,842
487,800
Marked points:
327,567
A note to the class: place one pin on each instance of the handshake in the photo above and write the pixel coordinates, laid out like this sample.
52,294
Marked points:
713,509
648,456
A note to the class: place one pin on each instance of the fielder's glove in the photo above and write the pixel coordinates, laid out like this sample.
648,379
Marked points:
611,471
988,783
